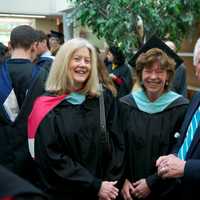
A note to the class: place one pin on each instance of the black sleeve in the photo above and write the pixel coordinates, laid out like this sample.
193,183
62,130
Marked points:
161,187
191,171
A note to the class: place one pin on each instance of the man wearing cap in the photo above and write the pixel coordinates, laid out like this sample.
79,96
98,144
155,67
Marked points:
55,40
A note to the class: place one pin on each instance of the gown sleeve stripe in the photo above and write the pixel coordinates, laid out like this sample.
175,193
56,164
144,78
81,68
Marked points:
41,108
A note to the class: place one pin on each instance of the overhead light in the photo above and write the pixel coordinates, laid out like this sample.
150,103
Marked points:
21,16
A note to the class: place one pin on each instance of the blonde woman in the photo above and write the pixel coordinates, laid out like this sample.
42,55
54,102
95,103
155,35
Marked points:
64,129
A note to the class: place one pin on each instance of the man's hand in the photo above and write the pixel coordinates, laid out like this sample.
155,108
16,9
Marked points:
170,166
197,70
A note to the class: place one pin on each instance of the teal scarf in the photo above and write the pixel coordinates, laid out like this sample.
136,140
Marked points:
75,98
145,105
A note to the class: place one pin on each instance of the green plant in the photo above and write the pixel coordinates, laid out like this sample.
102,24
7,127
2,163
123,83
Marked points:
117,20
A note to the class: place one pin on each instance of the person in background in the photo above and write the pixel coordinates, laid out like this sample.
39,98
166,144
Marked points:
73,158
3,53
19,86
56,39
104,77
44,56
179,83
119,71
151,118
14,187
196,59
110,98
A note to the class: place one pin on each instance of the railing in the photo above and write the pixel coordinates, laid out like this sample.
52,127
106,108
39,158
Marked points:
185,54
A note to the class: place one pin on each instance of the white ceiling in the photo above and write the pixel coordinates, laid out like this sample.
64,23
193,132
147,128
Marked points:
34,7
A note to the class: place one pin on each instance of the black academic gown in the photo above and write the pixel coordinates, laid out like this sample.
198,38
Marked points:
71,153
149,136
14,153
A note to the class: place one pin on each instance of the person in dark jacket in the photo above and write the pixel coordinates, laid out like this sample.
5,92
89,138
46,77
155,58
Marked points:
119,71
19,86
65,137
44,57
103,74
151,119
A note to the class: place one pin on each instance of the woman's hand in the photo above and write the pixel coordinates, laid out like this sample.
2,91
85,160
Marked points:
127,190
142,190
108,191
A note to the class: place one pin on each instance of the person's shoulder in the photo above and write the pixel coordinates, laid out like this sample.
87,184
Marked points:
1,65
179,101
128,99
195,97
183,100
42,72
18,187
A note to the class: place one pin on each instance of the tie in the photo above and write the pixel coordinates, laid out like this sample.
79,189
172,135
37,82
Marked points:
190,134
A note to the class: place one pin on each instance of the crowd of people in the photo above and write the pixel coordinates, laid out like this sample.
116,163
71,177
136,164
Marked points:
73,126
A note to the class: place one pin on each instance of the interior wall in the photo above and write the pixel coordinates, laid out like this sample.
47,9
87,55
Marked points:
44,7
46,25
7,24
188,47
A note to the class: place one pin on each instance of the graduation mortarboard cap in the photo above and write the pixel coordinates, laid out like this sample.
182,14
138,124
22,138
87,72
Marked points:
57,34
155,42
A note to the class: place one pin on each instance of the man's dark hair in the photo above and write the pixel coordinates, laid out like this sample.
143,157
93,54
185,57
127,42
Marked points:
23,37
42,36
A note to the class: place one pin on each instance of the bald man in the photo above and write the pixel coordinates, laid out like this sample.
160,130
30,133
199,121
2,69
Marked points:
179,83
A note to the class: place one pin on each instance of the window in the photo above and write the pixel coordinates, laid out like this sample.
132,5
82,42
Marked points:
7,24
